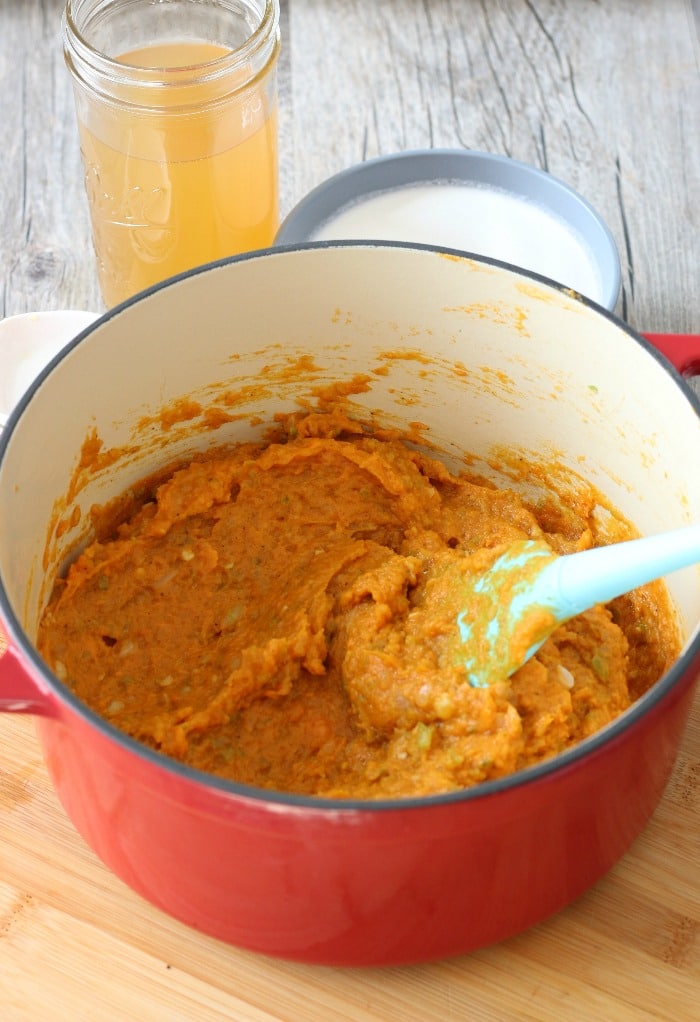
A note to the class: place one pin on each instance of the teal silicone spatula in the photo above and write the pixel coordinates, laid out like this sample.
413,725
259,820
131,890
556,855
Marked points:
513,608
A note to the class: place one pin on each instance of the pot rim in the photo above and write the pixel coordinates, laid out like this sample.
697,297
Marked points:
557,765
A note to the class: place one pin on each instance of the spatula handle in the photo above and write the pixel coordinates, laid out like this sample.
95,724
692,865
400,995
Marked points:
595,576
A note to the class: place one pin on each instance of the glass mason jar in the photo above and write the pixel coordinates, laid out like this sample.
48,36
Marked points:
176,102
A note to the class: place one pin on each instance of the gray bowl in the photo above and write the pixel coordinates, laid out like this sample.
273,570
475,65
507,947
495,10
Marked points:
510,211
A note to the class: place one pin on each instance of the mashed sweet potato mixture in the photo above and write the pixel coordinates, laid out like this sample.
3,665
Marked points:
284,615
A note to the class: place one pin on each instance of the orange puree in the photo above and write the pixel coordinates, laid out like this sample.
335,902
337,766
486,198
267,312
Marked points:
284,615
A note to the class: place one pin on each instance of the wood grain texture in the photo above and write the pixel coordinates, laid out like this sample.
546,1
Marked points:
579,87
46,259
582,89
605,95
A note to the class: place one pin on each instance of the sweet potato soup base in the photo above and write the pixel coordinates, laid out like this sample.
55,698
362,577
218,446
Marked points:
284,615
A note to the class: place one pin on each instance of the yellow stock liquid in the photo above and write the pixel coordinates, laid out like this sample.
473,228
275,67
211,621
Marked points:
175,187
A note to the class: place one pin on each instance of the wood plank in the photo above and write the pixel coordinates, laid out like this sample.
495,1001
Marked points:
46,258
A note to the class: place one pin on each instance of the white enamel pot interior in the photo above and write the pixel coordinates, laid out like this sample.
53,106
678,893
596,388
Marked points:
490,360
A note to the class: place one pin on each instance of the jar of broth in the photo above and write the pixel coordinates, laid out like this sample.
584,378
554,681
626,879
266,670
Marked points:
176,104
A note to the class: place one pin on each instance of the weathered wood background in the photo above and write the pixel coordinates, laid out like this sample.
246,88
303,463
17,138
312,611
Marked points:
603,93
606,95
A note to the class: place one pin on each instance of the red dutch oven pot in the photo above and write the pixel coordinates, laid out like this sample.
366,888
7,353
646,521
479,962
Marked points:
488,358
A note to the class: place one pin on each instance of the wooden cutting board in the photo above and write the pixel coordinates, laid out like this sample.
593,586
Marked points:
77,945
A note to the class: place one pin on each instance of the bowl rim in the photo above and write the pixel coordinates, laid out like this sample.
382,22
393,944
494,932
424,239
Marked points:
423,166
685,671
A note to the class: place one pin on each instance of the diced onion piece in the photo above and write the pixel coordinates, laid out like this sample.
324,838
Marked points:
566,677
